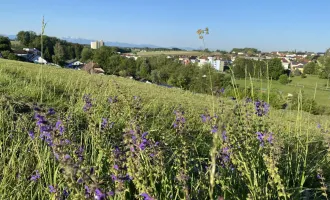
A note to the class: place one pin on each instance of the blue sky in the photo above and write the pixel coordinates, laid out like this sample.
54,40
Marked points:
263,24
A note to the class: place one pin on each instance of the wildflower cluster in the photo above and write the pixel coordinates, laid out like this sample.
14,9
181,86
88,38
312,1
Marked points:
180,120
88,102
211,120
262,108
262,137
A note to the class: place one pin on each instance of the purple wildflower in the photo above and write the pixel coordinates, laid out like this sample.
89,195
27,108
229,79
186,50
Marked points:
214,129
104,123
318,125
114,177
224,136
88,103
59,126
67,157
222,90
262,108
52,189
92,170
260,137
270,138
66,193
87,190
35,177
99,195
146,196
80,181
51,111
110,193
144,135
116,167
31,134
142,146
112,100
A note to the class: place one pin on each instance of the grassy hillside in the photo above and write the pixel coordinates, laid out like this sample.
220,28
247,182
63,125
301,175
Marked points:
65,134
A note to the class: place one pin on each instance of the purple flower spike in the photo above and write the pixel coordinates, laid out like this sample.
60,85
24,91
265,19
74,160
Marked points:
35,177
87,190
99,195
52,189
214,129
144,135
104,123
51,111
146,196
31,134
67,157
270,138
110,193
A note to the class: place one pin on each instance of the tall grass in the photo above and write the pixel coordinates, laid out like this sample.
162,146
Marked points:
104,137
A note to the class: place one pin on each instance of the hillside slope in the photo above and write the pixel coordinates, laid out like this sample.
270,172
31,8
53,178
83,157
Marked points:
70,135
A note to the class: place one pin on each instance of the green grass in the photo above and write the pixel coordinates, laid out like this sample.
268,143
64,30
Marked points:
307,85
181,157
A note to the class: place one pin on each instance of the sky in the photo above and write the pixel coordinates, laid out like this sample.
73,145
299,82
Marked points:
268,25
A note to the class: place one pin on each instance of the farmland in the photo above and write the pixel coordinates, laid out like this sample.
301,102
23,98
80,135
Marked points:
66,134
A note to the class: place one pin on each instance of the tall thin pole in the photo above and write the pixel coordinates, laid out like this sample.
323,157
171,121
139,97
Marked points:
43,26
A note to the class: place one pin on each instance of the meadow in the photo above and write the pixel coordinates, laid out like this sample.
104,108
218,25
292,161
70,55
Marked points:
66,134
307,85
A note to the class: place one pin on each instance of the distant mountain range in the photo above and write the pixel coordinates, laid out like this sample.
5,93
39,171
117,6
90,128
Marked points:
118,44
107,43
11,37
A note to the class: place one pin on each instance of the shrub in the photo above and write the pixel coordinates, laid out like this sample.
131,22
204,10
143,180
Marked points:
303,75
283,79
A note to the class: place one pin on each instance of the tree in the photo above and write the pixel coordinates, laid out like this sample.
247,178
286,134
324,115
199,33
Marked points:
5,54
310,68
5,44
58,58
86,54
275,68
283,79
78,50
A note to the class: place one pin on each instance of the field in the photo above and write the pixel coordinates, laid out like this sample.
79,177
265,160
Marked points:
172,53
65,134
310,86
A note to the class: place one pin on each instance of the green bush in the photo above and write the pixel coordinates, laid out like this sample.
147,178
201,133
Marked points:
283,79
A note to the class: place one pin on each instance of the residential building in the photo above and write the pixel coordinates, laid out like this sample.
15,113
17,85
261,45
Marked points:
73,64
31,55
286,63
97,44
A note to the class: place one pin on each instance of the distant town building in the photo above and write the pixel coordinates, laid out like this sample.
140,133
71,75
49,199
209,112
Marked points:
97,44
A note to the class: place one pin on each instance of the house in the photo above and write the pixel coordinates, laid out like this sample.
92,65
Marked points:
92,68
285,63
31,55
298,65
73,64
